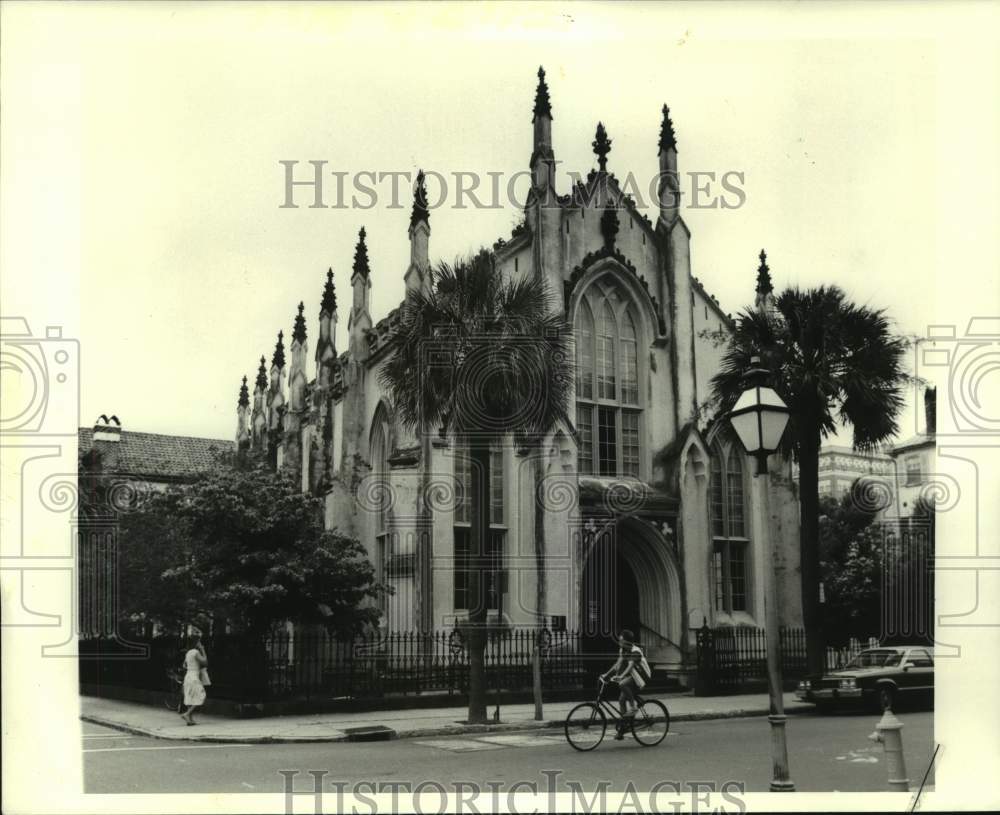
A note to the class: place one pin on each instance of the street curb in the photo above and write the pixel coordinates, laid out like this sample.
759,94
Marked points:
335,737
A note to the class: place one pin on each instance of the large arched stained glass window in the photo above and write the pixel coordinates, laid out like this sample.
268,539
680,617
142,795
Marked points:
608,404
729,528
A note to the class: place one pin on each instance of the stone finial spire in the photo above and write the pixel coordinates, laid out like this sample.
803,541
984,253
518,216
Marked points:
326,351
361,257
258,418
764,286
262,374
243,419
359,320
765,290
299,331
542,161
417,276
668,141
668,189
420,211
543,107
602,146
278,358
329,303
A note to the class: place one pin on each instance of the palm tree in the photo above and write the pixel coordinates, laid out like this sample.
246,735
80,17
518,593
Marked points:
482,357
830,360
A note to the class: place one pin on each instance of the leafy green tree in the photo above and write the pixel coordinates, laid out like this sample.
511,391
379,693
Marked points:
851,565
244,546
830,360
871,567
480,356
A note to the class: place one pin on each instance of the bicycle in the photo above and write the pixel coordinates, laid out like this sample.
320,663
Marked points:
587,723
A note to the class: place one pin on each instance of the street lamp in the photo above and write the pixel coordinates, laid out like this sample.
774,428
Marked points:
759,418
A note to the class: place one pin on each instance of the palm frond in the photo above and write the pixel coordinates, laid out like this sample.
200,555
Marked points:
479,353
828,359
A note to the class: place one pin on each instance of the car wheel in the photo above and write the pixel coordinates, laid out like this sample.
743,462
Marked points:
886,698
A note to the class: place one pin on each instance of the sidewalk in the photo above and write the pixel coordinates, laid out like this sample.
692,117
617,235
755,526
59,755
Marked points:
160,723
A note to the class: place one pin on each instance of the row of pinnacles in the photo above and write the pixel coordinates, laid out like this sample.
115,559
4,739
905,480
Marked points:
281,420
272,428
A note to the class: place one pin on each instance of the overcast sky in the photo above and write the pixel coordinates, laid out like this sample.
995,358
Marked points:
142,188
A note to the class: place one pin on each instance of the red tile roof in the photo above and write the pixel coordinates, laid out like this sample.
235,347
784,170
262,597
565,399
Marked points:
154,454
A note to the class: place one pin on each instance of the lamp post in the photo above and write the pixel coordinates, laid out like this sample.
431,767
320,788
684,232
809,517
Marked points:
759,418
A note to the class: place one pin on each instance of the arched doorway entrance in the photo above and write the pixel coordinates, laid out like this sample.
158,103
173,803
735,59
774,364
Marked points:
631,580
610,596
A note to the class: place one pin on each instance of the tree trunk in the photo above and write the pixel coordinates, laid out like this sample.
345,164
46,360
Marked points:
812,619
540,599
479,524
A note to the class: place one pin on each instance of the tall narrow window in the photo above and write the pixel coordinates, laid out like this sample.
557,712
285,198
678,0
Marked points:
606,355
734,493
607,454
630,363
585,353
630,443
608,392
496,580
730,543
379,452
585,430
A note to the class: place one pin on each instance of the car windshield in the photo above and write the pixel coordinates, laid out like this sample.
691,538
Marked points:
875,659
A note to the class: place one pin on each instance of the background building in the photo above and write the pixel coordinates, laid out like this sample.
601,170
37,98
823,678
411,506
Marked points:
118,471
840,466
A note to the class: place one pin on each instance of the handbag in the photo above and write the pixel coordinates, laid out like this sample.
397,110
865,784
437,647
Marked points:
203,677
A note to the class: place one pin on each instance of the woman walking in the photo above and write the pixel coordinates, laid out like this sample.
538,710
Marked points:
195,661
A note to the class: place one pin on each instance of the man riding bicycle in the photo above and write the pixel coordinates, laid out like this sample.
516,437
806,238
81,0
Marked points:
631,672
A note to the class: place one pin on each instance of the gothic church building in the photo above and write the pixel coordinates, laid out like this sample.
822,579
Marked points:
651,511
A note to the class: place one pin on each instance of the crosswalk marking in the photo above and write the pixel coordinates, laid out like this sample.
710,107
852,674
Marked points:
523,740
459,745
499,741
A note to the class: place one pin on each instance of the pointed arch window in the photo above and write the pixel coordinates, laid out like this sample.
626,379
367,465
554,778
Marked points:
608,395
727,502
379,442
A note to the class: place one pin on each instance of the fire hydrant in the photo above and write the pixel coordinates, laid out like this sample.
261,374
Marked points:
888,732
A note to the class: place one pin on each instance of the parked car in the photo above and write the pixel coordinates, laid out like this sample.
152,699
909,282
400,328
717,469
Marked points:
879,677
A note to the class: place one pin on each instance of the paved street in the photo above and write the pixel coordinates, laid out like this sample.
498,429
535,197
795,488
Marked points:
826,753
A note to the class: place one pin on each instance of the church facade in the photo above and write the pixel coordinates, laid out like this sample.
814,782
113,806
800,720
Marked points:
650,514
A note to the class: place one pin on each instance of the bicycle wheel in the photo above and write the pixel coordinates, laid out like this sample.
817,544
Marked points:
585,726
650,723
174,700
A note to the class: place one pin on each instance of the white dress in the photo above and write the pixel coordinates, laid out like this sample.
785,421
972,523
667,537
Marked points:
194,691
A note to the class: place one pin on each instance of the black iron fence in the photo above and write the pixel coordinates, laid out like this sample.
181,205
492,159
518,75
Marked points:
314,663
731,658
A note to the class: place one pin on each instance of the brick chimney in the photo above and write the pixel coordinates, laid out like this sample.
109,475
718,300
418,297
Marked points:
930,411
106,429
